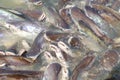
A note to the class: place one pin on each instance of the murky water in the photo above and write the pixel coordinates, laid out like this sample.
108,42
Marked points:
77,53
14,4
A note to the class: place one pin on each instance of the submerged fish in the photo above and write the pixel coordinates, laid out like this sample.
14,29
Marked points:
110,59
12,20
38,47
21,74
14,60
52,71
78,15
84,64
76,40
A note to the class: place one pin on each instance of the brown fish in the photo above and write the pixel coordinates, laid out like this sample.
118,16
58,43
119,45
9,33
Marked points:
34,14
116,5
110,59
78,14
108,18
21,74
57,20
84,64
74,42
14,60
103,20
55,36
107,9
64,13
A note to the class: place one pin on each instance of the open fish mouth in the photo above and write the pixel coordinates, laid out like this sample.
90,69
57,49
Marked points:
60,40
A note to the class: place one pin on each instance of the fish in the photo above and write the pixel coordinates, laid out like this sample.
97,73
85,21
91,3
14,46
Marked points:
54,18
11,36
37,47
21,74
65,48
107,9
9,19
34,14
64,13
85,64
74,42
52,71
94,14
115,5
75,12
14,60
58,53
59,40
109,59
55,36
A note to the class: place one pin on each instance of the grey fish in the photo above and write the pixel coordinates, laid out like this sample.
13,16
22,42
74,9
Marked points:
37,47
52,72
14,19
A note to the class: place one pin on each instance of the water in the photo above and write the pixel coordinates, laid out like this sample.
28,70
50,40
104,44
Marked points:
13,4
